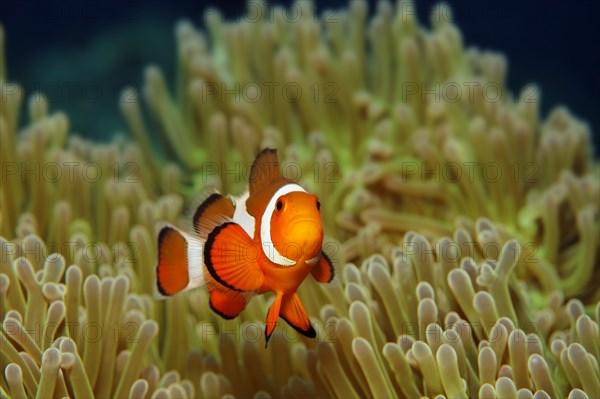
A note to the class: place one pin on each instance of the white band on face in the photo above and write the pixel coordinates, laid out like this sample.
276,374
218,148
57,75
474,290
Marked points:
265,226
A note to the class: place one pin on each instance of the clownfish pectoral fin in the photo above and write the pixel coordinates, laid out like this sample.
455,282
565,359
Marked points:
292,311
226,303
231,258
213,211
323,271
265,170
179,262
272,317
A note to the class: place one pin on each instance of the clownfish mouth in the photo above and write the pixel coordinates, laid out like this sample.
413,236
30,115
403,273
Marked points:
306,229
297,250
304,219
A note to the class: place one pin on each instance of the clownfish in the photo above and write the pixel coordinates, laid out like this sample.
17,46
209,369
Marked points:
268,239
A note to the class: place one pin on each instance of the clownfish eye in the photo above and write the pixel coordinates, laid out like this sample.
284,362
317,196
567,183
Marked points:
279,205
318,205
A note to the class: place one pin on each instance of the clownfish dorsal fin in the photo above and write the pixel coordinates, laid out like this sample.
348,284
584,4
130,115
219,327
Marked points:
212,212
264,171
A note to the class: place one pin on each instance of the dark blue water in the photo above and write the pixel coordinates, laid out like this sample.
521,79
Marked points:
59,47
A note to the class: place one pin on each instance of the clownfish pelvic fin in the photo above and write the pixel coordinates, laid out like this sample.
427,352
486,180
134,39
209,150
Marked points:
291,309
272,317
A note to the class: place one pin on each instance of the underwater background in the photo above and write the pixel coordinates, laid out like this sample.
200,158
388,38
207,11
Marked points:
464,226
550,43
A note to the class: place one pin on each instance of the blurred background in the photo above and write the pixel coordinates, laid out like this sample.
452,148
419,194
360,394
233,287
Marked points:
58,47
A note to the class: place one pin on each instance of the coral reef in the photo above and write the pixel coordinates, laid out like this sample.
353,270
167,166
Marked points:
465,227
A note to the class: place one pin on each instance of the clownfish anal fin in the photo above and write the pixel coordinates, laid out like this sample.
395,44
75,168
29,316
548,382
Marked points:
226,303
211,212
292,311
265,170
272,317
323,271
231,258
172,270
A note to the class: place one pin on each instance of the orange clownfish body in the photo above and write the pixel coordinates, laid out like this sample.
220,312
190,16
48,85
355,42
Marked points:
271,244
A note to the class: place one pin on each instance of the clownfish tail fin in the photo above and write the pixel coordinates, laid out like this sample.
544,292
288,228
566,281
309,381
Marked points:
180,262
293,312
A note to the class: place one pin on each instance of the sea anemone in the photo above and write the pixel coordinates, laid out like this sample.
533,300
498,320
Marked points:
464,227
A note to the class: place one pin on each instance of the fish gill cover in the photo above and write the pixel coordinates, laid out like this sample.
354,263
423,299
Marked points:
464,227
